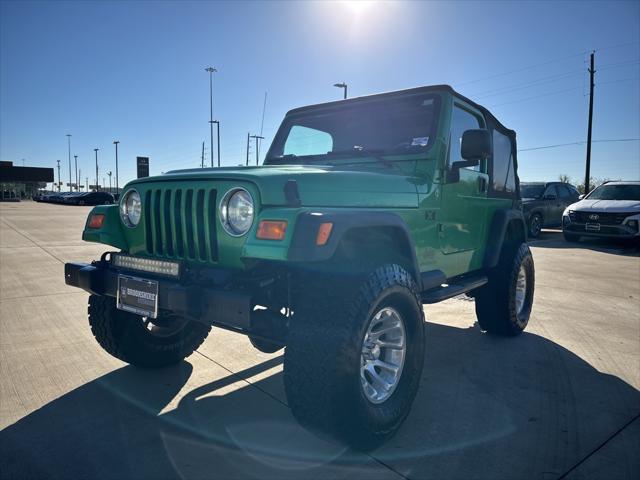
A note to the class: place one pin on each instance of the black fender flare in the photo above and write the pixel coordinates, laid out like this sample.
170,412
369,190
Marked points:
303,246
497,232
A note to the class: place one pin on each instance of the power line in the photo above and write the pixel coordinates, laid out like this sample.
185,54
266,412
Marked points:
579,143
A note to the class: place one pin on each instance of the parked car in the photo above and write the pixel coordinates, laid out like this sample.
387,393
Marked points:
612,211
544,202
339,239
91,198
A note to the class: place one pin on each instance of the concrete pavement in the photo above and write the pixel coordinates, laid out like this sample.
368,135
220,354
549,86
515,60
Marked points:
562,399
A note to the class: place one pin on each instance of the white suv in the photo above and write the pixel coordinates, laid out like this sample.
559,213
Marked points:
612,210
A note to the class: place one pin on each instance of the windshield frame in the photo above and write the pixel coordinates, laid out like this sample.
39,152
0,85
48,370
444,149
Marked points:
331,158
604,185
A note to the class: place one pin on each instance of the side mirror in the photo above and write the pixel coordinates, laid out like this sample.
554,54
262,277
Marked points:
581,196
476,146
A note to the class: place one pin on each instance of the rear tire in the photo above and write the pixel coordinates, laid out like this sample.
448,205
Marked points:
331,348
129,338
503,305
535,225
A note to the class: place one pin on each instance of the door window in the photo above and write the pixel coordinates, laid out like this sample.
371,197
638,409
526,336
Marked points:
461,121
551,190
564,191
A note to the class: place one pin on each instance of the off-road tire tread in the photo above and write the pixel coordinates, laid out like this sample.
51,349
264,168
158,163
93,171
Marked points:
117,335
495,305
322,330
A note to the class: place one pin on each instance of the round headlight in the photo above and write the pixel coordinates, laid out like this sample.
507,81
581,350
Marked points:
236,212
131,208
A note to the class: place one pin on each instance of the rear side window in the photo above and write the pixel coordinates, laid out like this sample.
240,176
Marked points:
504,178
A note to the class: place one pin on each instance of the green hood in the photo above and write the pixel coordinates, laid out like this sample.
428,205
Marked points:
318,186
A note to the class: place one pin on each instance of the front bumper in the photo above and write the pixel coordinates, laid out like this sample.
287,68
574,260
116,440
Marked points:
606,231
213,306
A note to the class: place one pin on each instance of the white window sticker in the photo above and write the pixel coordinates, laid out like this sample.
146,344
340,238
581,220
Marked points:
420,142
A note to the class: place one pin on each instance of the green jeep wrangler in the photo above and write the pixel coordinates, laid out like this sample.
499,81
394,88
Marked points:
364,210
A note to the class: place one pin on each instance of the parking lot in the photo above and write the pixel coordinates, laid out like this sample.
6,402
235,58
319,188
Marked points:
562,399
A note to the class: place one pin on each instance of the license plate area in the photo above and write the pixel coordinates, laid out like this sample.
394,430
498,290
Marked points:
592,227
137,295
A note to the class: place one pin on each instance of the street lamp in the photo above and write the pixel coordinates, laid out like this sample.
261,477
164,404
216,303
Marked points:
211,70
109,174
343,86
69,145
97,180
116,142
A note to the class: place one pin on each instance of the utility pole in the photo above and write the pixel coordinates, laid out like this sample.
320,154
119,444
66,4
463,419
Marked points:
97,179
258,138
211,70
109,174
217,122
77,184
248,140
587,172
202,157
87,180
116,142
69,145
58,174
80,177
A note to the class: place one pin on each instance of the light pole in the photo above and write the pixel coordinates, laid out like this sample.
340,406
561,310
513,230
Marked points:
69,145
116,142
96,150
217,122
211,70
343,86
76,164
58,174
109,174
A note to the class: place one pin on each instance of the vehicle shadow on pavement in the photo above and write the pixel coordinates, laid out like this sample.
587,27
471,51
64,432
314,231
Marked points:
488,407
554,239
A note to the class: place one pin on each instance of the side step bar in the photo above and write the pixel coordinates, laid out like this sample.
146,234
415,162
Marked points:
443,292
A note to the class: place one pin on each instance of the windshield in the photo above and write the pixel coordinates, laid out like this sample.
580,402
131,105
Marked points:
616,192
531,191
398,125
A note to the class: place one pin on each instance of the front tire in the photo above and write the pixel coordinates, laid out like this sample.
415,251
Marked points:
503,305
143,342
354,356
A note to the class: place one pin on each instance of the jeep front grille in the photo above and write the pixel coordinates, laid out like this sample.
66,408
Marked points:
181,223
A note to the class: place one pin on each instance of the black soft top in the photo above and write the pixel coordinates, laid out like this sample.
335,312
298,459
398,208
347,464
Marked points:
426,89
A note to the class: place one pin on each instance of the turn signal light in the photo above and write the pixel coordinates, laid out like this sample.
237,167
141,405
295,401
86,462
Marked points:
324,232
96,220
271,229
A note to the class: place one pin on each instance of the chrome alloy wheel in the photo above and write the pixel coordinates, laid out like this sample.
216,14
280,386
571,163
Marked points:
521,289
383,351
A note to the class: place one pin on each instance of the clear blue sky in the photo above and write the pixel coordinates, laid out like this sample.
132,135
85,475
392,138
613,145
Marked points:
134,71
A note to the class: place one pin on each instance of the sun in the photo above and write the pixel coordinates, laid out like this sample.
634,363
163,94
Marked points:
358,6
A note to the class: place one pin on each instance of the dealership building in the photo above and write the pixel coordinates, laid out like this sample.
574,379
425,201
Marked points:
22,182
